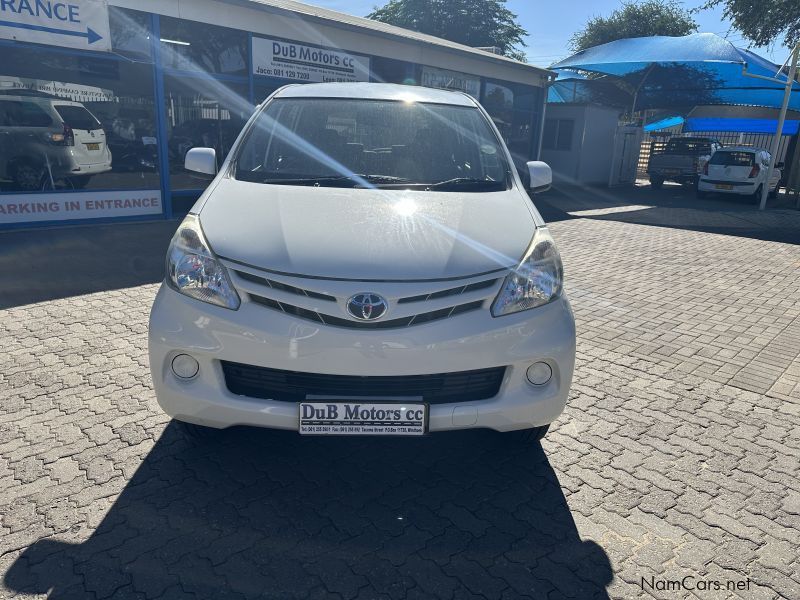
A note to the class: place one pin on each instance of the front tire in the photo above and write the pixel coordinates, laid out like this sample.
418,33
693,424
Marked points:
27,177
80,181
527,437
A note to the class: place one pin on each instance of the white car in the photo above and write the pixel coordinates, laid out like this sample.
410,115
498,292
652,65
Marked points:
44,139
366,261
738,170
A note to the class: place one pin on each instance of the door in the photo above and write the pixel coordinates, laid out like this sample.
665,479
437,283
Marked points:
627,142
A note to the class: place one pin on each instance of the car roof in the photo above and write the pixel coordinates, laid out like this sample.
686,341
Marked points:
375,91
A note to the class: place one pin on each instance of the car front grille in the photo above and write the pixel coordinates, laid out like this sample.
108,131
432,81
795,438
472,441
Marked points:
325,319
294,386
327,309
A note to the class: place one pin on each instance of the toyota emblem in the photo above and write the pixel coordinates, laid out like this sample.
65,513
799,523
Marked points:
366,306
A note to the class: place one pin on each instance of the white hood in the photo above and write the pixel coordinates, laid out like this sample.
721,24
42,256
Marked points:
367,234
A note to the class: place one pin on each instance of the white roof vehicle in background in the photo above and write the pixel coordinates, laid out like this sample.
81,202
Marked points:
366,261
738,170
45,140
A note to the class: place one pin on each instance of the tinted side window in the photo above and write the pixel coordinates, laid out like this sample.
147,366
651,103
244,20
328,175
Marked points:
24,114
732,159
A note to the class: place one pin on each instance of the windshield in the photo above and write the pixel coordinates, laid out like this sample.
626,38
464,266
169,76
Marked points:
77,117
371,143
687,146
732,159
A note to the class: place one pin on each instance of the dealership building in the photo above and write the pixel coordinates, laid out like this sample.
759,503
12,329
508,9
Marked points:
101,100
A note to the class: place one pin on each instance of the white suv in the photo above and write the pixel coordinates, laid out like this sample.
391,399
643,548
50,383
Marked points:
45,140
366,261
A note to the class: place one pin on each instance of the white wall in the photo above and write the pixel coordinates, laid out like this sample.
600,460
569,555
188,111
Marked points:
565,163
589,159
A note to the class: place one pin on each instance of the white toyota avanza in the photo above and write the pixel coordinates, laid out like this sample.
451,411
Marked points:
366,261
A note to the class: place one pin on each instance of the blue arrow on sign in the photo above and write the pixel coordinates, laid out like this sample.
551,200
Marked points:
90,34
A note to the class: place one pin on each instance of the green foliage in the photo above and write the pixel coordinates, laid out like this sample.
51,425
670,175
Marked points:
469,22
636,19
763,23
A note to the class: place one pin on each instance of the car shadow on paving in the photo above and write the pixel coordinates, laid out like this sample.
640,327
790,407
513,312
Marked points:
674,207
257,513
45,264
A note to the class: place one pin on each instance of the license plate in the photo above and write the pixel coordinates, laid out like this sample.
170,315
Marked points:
671,172
723,186
362,418
93,146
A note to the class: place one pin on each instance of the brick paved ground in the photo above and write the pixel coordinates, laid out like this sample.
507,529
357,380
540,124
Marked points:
678,453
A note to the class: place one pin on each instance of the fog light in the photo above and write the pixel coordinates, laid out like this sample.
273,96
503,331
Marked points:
184,366
539,373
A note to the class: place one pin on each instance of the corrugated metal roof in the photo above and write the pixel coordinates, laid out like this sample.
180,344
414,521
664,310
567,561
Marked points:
332,17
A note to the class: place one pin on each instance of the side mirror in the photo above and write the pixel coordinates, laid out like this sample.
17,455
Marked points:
201,160
541,176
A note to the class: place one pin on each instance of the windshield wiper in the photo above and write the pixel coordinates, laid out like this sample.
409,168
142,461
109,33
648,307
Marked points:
468,182
356,179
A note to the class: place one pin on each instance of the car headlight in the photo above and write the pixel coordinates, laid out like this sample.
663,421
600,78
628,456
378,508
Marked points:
193,270
536,281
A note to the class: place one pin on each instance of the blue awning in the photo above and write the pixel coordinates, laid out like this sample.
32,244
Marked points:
672,72
790,127
664,123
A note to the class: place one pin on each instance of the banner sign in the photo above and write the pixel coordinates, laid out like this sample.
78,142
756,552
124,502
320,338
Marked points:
62,89
307,64
26,208
81,24
451,80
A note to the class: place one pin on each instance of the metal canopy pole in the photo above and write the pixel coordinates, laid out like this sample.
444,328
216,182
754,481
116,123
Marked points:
779,131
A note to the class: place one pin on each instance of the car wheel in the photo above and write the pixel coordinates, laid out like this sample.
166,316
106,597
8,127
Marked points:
757,194
27,177
656,182
773,194
49,185
197,433
524,437
80,181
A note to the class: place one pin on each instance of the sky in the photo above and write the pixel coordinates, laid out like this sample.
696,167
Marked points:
551,23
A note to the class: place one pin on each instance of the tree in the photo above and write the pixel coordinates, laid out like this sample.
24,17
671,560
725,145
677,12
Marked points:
637,19
469,22
763,22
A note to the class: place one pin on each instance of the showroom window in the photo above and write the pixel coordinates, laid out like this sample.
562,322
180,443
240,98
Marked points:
201,112
511,108
130,33
75,121
193,46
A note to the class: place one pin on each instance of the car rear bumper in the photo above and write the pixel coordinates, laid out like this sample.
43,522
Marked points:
744,188
258,337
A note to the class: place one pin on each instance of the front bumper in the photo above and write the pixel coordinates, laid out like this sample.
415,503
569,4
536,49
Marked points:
257,336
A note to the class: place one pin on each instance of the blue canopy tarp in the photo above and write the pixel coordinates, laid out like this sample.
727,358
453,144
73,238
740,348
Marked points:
572,86
676,72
